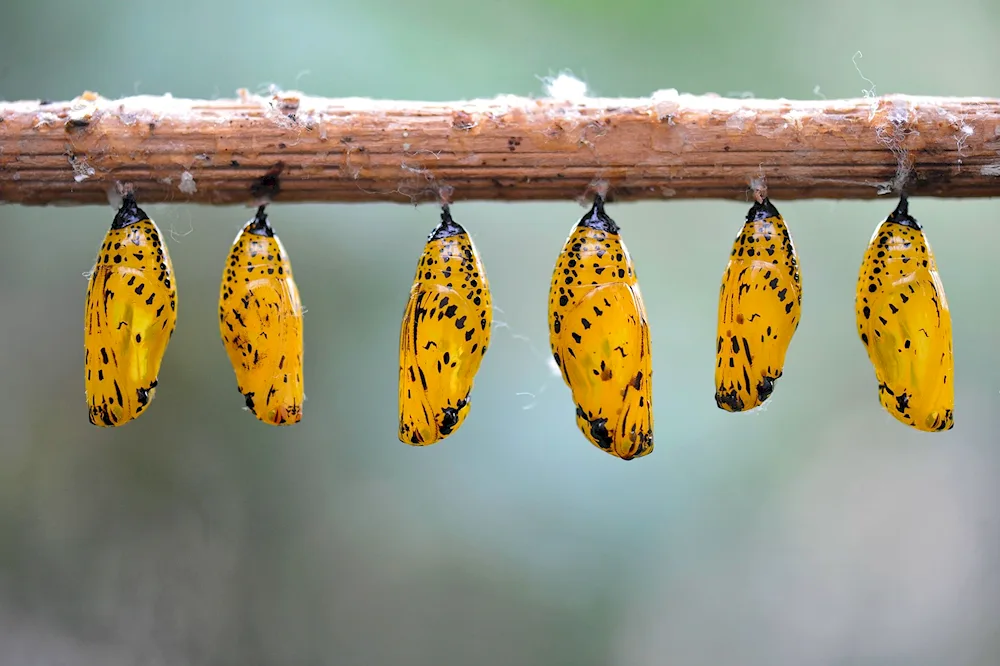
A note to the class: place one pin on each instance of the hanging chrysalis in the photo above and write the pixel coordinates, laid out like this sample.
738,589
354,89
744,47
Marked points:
905,325
444,335
760,303
260,318
599,336
131,314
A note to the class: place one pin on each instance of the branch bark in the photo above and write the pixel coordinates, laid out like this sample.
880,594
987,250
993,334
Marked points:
508,148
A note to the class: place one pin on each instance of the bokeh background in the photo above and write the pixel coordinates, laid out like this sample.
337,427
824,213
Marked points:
816,531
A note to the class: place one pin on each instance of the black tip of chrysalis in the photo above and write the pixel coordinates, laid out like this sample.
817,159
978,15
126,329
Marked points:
259,226
596,218
129,213
447,227
761,210
902,214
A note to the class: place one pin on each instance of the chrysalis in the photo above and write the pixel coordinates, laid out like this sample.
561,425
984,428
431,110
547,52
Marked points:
905,325
444,335
260,318
599,337
760,303
130,317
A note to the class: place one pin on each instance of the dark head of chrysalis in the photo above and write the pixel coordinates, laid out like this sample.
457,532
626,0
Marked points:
761,210
902,214
447,228
264,190
259,226
596,218
129,213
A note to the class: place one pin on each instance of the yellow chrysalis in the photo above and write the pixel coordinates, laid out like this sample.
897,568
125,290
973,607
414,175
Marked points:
904,322
599,337
260,318
444,335
131,314
760,303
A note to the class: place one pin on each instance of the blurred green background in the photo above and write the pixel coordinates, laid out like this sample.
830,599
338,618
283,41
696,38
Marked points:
816,531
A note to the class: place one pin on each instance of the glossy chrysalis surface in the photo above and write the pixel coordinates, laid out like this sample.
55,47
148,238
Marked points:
760,304
260,319
905,324
130,316
599,337
444,335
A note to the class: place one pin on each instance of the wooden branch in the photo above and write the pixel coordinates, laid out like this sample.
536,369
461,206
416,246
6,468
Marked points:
509,148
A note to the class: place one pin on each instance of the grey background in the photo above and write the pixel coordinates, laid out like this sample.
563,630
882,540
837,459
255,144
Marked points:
817,531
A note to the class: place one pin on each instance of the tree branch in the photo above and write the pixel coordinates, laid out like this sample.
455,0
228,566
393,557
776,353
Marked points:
508,148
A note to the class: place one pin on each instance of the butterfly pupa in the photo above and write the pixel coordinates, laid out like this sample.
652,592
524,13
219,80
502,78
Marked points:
444,335
760,304
599,335
260,318
905,324
130,317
